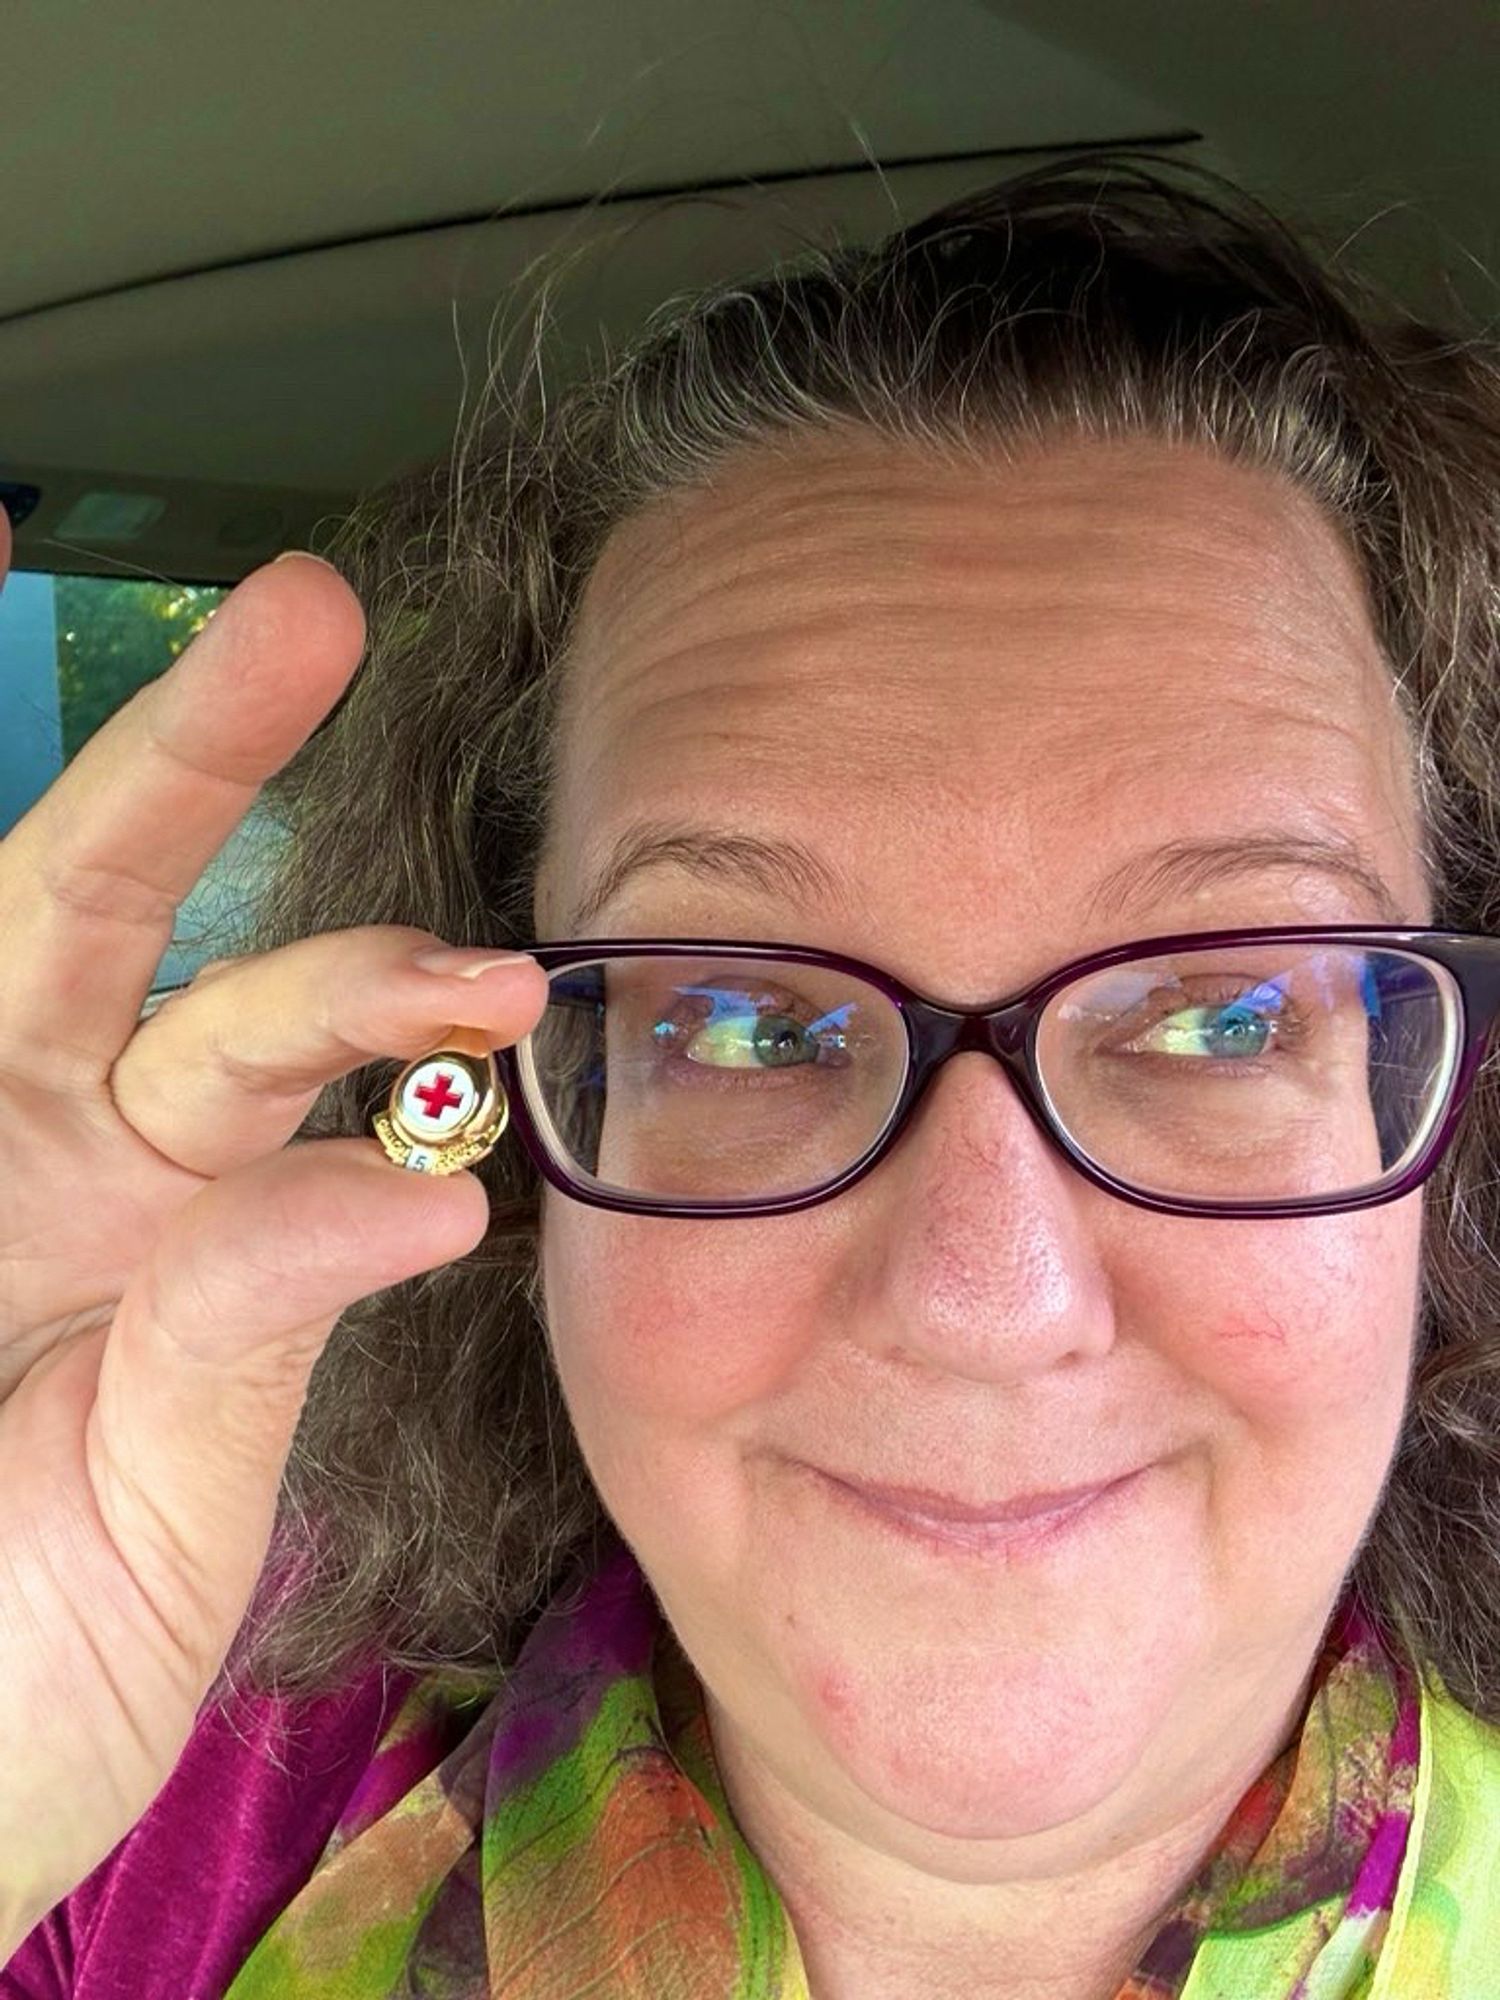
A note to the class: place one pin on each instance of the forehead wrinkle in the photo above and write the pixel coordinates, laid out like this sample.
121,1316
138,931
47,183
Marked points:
729,700
906,499
861,495
921,780
750,659
798,636
666,751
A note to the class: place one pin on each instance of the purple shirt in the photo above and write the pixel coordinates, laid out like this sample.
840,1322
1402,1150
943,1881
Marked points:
173,1911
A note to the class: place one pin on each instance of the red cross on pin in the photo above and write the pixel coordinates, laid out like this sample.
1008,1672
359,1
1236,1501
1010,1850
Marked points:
437,1097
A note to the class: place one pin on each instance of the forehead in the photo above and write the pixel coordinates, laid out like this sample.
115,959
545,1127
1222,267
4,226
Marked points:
975,685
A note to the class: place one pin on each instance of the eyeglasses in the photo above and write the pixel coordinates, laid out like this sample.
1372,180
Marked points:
1290,1071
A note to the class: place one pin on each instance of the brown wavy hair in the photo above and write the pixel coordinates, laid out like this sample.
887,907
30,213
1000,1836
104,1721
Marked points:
435,1493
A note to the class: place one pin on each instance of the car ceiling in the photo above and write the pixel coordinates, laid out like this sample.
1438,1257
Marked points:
257,259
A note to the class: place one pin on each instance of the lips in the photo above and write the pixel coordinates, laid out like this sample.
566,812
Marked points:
1025,1528
931,1506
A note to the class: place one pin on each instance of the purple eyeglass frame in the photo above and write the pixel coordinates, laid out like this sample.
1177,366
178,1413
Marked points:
1008,1032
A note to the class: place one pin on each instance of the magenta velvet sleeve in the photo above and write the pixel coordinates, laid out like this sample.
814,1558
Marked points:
174,1909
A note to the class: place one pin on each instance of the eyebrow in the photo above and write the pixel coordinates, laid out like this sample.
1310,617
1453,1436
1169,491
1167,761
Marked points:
1185,865
789,869
780,867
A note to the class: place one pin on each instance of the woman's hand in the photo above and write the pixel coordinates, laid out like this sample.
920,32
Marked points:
169,1267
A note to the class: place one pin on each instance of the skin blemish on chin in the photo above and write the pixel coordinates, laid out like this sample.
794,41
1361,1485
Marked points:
834,1691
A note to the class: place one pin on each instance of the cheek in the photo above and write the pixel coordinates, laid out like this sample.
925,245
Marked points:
673,1325
1296,1329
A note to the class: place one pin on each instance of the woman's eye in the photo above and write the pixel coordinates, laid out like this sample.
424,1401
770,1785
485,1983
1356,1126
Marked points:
1233,1031
751,1041
727,1030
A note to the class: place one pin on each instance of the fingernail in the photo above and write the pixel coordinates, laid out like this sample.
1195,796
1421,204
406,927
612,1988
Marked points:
307,556
456,963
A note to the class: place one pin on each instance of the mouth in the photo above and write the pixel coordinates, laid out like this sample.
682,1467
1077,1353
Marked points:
1014,1527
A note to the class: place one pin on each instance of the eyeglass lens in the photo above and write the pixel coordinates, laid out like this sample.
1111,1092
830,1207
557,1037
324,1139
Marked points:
1238,1073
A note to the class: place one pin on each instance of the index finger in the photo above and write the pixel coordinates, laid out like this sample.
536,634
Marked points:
91,877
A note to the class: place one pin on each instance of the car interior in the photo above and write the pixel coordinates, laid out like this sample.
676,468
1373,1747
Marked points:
257,260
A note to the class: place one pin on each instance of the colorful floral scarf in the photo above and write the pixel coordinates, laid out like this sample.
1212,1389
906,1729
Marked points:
563,1834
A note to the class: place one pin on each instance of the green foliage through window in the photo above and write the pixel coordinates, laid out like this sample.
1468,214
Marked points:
114,636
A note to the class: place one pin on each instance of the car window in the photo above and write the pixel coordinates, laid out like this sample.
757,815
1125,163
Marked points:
72,650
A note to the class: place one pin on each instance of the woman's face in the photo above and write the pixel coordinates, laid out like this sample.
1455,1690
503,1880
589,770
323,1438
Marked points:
978,696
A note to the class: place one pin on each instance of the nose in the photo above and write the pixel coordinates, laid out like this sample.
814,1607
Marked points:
973,1252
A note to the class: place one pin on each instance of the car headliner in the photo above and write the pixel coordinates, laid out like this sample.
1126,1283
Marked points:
256,259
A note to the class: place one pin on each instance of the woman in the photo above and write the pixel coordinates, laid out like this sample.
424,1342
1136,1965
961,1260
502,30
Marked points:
1022,1519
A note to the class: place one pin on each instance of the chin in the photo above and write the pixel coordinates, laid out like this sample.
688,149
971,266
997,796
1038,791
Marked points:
941,1744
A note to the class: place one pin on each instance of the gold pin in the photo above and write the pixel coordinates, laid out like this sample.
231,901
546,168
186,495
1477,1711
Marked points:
447,1109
